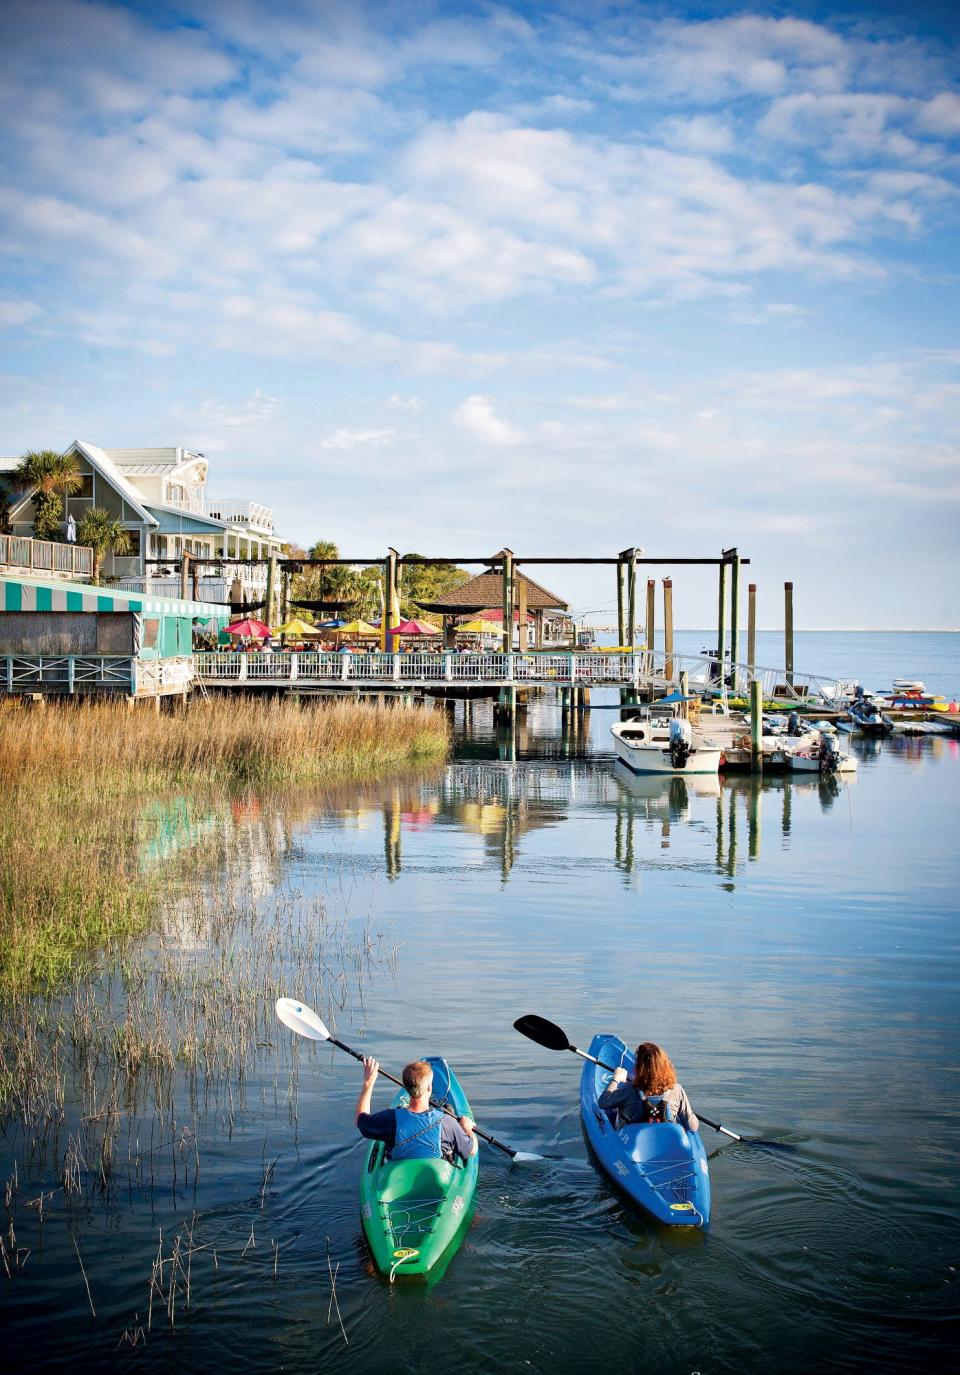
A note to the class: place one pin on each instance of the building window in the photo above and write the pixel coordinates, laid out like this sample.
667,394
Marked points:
133,551
151,632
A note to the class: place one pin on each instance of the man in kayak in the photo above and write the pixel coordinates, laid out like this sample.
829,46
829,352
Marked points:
417,1132
653,1095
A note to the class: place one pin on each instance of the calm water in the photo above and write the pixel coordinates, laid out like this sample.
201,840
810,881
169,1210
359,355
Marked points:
793,945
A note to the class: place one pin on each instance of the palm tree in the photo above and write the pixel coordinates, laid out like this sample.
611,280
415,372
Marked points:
104,534
53,476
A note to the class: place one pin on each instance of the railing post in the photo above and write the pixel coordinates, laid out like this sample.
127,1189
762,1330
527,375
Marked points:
345,669
242,675
573,668
71,673
9,672
447,666
510,667
294,667
396,667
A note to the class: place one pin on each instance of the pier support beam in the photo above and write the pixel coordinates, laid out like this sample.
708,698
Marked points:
756,725
507,600
668,627
506,707
751,627
722,622
788,631
735,614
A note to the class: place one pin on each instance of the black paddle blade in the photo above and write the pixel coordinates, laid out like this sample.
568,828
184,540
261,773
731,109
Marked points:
545,1033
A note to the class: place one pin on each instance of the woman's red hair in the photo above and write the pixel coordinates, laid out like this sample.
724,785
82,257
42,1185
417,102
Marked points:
653,1071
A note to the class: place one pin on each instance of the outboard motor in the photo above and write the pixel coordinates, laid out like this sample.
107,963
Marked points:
829,753
681,742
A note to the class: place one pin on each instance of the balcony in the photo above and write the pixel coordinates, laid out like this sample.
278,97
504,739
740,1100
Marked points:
28,555
250,514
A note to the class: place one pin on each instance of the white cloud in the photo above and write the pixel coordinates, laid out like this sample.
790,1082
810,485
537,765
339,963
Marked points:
404,403
13,313
344,439
476,415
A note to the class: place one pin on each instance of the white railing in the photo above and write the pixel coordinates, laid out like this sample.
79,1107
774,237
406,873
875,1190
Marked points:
45,556
643,669
67,673
249,513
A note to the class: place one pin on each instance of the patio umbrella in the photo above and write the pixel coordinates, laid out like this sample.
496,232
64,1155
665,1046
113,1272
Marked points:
415,628
479,628
249,626
297,628
358,628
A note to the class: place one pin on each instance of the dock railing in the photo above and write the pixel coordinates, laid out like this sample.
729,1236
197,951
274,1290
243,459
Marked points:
45,556
640,670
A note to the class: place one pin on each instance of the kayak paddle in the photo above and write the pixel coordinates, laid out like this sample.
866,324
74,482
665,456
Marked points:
551,1036
305,1022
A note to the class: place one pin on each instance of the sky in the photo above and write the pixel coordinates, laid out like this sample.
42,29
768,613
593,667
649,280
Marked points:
559,277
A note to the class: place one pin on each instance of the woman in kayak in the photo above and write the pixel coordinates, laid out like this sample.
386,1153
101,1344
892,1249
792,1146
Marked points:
652,1095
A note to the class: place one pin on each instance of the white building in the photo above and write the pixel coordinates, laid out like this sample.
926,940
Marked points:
160,497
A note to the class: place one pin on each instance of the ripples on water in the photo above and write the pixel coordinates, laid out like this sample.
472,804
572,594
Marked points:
792,944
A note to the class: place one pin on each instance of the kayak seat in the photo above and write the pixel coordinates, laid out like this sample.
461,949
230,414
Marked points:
405,1179
653,1142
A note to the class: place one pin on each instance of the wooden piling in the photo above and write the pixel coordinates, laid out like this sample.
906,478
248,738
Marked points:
722,623
621,609
185,576
651,612
668,627
631,626
684,694
507,600
751,627
522,646
270,610
391,614
756,725
788,631
735,612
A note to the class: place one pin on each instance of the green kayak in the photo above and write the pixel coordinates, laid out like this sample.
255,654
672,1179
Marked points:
415,1212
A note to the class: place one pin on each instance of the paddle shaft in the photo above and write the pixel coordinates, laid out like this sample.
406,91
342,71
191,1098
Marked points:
715,1125
444,1107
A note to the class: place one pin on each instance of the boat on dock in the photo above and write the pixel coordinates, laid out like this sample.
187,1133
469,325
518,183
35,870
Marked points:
648,745
819,755
866,714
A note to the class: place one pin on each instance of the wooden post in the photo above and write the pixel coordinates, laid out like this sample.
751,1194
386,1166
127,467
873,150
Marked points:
751,627
735,614
722,623
631,626
788,630
651,612
270,610
184,576
668,627
522,645
756,724
684,693
507,600
621,616
391,600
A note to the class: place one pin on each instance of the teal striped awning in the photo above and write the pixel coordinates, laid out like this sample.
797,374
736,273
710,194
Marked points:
33,594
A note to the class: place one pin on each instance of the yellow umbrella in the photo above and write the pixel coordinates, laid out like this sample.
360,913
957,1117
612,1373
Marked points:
480,628
296,628
357,628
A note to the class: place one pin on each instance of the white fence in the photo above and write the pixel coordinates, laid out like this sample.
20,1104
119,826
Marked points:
639,670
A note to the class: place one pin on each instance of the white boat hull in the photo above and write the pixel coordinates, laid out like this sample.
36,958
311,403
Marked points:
652,756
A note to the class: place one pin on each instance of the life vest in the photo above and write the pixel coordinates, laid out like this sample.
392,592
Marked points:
655,1108
418,1135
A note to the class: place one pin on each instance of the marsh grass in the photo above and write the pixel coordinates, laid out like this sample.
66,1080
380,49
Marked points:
77,779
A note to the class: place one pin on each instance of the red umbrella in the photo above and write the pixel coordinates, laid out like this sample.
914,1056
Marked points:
249,626
415,628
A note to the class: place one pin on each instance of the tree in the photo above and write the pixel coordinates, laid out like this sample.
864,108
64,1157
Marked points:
334,583
104,534
425,582
52,476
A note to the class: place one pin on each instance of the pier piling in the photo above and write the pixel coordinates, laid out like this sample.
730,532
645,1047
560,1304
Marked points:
756,725
788,631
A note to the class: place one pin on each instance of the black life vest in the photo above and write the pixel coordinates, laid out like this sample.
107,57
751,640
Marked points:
655,1108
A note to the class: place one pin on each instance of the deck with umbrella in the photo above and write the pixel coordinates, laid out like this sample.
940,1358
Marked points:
249,629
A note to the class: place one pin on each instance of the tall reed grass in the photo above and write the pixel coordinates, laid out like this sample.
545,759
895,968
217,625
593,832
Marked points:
74,778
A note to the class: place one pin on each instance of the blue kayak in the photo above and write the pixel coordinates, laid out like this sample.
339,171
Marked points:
659,1165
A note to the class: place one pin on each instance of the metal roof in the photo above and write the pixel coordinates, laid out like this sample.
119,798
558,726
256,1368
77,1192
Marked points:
19,593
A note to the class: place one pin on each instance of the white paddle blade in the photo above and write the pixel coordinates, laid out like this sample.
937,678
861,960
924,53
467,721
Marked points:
525,1158
301,1019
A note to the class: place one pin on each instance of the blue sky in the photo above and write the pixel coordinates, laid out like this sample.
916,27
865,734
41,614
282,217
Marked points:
563,277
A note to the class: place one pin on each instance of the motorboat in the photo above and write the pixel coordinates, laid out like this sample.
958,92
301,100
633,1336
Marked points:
864,711
648,745
821,755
